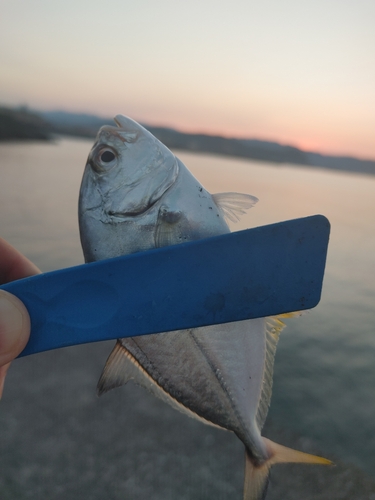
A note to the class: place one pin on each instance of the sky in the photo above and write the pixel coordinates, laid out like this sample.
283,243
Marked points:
298,72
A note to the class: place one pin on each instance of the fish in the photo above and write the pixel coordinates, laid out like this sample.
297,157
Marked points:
137,195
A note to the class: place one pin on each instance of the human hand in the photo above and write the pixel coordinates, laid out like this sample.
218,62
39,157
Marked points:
14,318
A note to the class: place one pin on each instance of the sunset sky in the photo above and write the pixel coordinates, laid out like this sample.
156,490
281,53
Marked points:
300,72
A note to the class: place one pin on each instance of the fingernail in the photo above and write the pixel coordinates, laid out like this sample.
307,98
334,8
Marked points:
14,326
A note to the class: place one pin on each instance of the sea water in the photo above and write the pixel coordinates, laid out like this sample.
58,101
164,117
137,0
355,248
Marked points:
324,380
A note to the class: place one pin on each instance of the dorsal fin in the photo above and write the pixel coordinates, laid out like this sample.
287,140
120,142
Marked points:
274,326
233,205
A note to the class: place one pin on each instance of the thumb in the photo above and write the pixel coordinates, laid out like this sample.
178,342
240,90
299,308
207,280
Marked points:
14,330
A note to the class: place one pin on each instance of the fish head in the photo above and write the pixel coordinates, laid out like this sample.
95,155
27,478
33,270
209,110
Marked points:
127,171
129,167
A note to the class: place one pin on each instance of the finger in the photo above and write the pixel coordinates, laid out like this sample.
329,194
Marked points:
14,265
14,331
14,327
3,372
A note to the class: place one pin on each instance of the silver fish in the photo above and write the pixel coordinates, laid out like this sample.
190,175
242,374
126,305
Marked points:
136,195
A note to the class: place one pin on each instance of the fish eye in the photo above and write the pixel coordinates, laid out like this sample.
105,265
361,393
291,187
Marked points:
104,159
107,156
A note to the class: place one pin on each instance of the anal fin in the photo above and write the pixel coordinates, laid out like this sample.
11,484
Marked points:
122,366
117,370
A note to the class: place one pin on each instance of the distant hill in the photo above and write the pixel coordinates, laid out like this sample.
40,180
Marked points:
44,124
21,124
76,124
86,125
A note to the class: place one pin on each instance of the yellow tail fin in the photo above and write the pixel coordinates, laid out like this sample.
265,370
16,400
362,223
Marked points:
256,480
256,477
281,454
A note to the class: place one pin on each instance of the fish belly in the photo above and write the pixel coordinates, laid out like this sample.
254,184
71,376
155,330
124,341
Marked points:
215,371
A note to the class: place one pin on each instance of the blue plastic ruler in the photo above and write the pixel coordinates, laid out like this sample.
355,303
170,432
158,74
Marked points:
247,274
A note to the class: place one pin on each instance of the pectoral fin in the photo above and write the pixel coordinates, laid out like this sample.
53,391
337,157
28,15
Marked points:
233,205
168,229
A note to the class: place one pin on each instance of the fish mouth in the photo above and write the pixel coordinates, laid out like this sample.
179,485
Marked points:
131,212
124,215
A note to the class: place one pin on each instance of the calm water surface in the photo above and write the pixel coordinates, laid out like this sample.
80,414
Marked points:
325,366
